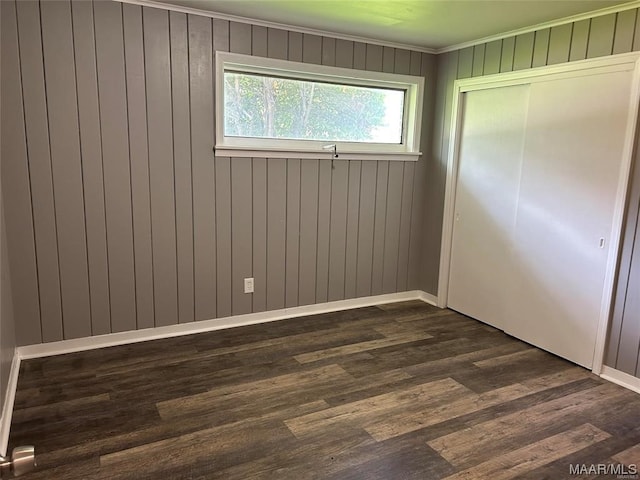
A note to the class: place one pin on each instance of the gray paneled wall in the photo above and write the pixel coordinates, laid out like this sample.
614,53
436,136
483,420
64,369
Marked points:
604,35
623,351
7,319
120,216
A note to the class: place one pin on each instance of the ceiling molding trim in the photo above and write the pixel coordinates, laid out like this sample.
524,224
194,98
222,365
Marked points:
541,26
281,26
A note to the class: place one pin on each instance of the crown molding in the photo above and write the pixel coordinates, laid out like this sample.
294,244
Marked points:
541,26
281,26
293,28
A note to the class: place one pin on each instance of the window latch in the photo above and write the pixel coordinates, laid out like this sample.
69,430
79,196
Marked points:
334,154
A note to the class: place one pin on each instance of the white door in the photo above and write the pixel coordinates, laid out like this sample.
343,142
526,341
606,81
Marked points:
539,170
571,168
491,145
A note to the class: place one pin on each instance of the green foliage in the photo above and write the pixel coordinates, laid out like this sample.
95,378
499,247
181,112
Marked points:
271,107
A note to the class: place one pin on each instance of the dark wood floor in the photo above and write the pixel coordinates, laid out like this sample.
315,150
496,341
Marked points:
402,391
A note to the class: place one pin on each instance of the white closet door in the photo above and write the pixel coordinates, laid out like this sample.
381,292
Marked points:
573,151
486,198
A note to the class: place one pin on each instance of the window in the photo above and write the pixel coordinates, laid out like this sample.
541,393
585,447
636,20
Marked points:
276,108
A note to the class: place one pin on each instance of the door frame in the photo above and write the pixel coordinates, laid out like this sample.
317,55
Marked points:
613,63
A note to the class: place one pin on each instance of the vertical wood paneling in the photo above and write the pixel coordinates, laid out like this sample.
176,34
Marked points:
629,353
180,95
161,165
403,61
240,38
139,164
353,220
579,40
623,344
508,50
15,186
392,227
465,62
241,234
422,169
415,67
277,44
628,304
404,229
559,44
492,56
450,72
328,51
338,229
359,55
220,34
66,166
292,248
379,229
324,224
259,42
601,36
374,58
7,319
625,26
311,48
260,234
91,152
366,227
344,53
115,149
276,231
523,51
434,196
171,231
541,48
478,60
636,35
445,63
628,345
295,47
223,235
308,231
388,59
202,161
42,197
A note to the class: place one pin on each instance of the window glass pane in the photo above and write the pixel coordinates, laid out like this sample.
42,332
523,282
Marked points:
273,107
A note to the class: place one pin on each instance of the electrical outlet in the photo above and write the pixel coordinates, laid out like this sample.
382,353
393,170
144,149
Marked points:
248,285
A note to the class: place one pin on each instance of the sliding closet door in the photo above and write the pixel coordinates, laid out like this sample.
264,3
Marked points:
490,159
571,167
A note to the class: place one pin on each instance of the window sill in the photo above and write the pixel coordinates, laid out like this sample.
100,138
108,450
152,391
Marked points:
234,151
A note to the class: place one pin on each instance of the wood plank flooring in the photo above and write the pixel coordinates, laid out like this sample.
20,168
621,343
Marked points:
399,391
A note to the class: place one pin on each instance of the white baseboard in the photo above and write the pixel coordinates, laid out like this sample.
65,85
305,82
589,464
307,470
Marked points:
112,339
621,378
7,406
428,298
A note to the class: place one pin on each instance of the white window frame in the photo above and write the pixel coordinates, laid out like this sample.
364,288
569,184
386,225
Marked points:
231,146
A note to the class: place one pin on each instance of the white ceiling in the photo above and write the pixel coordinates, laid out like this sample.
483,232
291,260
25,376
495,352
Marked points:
431,24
